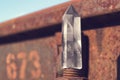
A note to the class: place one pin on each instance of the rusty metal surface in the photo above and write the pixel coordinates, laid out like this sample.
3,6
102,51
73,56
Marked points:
29,55
23,38
54,14
27,60
104,51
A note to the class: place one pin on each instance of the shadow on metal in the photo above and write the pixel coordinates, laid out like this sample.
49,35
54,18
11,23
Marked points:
101,21
118,68
85,57
30,35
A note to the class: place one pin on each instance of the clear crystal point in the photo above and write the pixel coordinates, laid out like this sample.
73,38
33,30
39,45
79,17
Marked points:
71,40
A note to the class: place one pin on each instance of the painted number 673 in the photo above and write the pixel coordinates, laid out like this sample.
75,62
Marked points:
12,69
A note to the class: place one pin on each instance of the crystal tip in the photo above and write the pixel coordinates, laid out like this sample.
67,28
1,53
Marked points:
71,10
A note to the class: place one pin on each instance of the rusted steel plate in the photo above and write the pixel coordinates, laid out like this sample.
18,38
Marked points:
104,51
27,60
53,15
